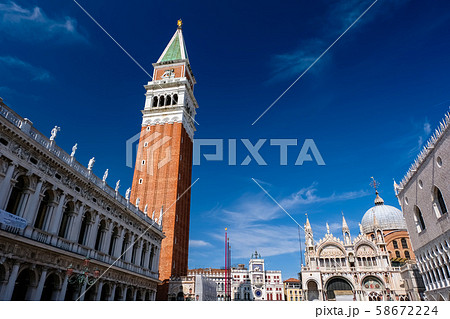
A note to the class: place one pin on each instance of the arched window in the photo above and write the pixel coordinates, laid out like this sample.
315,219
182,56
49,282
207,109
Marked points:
161,100
43,211
155,101
100,235
439,202
397,254
168,100
418,218
394,242
113,242
175,99
404,243
64,227
17,195
407,255
84,227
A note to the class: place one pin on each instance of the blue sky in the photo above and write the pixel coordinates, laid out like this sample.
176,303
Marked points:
369,104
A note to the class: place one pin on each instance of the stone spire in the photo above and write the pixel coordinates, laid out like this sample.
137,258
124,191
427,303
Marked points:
344,224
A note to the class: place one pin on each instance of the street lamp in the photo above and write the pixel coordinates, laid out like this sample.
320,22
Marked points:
85,276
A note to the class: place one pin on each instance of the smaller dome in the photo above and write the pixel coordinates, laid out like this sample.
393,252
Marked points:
387,217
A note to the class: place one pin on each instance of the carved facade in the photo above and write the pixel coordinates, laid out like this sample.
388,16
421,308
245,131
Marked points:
71,216
361,269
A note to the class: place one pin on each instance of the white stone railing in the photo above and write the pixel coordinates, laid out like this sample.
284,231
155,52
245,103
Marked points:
25,126
53,240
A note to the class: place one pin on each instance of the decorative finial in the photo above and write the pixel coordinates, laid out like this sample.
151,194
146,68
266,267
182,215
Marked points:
179,23
117,185
374,184
328,228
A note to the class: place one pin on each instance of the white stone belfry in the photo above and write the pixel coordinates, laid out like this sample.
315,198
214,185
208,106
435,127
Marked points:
170,95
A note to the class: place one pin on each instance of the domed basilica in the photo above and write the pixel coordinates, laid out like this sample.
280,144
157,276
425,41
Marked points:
378,264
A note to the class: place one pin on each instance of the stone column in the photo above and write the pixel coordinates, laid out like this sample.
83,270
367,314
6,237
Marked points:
129,250
76,224
40,287
11,282
119,243
135,294
107,239
99,290
155,265
5,185
92,233
82,291
33,204
139,252
113,292
124,293
56,218
62,293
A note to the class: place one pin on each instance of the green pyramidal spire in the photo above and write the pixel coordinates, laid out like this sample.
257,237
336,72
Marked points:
176,49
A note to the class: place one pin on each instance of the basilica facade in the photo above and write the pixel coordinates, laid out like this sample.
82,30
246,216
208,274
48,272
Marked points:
65,234
378,264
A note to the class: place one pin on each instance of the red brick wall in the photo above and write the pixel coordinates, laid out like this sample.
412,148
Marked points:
161,187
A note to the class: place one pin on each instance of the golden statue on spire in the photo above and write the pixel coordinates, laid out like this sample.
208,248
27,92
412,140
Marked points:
179,23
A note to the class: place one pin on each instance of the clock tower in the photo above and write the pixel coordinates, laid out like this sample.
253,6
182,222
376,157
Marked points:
162,174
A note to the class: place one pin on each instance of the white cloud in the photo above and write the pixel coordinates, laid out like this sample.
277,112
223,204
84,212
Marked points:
199,243
252,221
427,128
33,25
14,68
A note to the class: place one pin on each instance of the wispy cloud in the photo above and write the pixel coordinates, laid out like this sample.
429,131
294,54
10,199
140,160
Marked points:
33,25
254,221
338,17
13,68
199,243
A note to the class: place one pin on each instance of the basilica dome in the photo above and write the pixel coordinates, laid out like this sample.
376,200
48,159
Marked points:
387,217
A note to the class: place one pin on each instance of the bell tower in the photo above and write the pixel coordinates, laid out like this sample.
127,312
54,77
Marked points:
162,174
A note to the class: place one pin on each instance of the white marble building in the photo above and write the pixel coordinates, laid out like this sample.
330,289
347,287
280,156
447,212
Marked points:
359,269
424,194
70,215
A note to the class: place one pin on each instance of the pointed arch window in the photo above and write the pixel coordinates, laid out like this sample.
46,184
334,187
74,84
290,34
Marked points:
439,204
418,219
17,196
